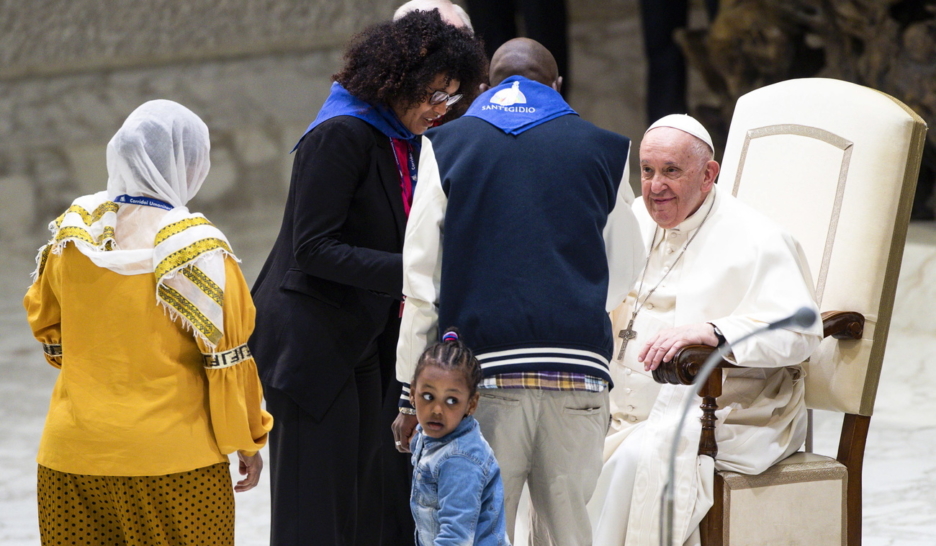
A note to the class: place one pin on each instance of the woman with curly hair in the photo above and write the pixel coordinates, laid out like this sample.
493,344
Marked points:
328,297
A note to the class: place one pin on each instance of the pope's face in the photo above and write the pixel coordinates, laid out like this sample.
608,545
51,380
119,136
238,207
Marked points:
674,178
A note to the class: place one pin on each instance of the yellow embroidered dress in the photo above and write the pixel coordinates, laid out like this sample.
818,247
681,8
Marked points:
136,396
142,306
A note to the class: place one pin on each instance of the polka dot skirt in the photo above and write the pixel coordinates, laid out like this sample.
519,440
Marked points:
194,507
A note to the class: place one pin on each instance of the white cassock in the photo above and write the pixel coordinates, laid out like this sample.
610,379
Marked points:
740,272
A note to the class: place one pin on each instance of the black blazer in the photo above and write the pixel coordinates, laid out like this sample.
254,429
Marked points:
335,274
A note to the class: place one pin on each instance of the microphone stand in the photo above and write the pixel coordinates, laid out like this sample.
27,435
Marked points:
668,500
804,317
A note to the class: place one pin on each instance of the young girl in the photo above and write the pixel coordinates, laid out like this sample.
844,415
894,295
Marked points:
457,495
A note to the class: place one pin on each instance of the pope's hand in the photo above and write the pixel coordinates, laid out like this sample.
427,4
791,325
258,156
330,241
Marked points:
666,343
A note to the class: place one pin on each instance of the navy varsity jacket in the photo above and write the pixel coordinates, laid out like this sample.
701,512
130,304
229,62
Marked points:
523,242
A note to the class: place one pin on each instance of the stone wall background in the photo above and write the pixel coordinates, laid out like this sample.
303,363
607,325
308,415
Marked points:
256,71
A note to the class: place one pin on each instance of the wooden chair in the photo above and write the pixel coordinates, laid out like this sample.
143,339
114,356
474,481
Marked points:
836,164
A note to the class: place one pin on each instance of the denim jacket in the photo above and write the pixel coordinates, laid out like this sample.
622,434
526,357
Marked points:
457,496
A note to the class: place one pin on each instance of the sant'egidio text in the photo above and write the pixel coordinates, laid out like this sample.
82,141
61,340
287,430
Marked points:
520,109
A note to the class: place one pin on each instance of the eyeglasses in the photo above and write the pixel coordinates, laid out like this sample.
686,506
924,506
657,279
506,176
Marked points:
438,97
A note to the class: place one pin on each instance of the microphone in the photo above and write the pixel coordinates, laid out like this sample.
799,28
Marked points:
804,317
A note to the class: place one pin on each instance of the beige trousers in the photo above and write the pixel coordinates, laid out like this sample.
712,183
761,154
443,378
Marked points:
552,441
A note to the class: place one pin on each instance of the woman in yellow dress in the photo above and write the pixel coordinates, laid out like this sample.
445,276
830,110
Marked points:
143,308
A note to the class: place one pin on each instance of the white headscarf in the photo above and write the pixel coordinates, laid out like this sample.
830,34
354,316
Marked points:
161,152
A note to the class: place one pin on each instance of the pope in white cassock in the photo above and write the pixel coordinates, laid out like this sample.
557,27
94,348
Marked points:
716,270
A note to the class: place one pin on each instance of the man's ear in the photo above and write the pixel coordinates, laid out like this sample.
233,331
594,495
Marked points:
483,87
711,173
412,399
557,85
473,403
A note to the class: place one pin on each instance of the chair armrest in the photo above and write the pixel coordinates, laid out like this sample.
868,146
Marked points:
843,324
684,367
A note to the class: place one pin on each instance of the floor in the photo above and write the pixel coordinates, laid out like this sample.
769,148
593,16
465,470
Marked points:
899,471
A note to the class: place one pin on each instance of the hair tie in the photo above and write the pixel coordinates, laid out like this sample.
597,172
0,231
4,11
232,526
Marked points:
450,336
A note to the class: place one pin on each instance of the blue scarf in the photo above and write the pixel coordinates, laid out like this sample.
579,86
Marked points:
519,104
342,103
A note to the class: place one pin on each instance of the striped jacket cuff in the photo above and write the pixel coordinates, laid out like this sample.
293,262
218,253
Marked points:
404,397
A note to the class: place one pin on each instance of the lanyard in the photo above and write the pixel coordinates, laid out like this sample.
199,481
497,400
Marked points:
145,201
407,170
407,177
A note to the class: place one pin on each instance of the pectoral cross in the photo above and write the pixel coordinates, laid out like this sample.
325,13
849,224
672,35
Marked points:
626,335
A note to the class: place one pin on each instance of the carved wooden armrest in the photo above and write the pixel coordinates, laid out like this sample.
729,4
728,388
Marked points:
683,369
843,324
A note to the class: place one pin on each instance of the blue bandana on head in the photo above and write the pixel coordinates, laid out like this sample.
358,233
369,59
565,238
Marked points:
518,104
342,103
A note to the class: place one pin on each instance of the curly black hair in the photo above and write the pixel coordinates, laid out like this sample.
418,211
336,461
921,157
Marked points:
394,63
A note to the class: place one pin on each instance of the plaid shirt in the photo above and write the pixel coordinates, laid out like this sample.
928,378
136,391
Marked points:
547,381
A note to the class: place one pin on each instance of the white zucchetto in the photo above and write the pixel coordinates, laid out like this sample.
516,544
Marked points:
686,124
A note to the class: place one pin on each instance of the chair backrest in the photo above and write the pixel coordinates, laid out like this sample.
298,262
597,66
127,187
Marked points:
836,164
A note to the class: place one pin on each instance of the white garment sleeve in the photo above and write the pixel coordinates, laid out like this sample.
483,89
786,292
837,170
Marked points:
782,284
422,267
623,244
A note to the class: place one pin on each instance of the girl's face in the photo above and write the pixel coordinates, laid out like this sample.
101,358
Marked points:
442,400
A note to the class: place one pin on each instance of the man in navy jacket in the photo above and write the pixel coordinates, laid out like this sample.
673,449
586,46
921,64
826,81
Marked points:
522,236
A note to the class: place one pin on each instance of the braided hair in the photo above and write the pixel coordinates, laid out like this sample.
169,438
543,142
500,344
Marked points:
452,354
